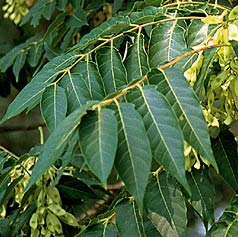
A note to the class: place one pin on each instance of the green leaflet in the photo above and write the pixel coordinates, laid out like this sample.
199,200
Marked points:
137,61
35,53
111,26
21,49
53,106
205,68
197,32
203,194
167,42
148,14
225,152
133,158
42,7
98,142
56,142
92,79
163,129
165,206
129,220
111,68
187,108
83,83
75,89
31,94
19,63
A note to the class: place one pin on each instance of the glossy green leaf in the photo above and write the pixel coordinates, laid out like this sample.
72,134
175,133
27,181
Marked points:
137,61
56,142
225,152
203,194
187,108
167,42
53,106
42,8
98,142
197,32
111,68
165,206
163,129
133,159
129,220
32,92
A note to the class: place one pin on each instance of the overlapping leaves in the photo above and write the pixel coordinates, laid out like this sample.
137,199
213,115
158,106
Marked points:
100,95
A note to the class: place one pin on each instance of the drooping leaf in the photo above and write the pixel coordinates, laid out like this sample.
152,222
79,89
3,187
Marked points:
111,69
137,61
98,142
203,194
234,45
19,63
208,58
225,152
129,220
167,42
187,108
165,206
31,94
133,159
43,8
56,142
163,129
53,106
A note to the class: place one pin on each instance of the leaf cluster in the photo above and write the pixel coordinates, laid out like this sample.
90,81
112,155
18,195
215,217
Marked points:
120,110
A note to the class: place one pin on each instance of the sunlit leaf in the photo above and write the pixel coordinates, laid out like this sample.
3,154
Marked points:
167,42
